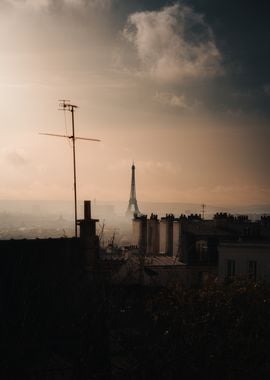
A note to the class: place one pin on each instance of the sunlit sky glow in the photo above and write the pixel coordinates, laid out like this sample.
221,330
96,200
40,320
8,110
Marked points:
182,88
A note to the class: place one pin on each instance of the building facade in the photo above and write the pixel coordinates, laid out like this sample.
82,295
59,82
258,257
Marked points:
244,260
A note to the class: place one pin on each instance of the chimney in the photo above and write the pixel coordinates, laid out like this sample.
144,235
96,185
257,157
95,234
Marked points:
87,210
89,239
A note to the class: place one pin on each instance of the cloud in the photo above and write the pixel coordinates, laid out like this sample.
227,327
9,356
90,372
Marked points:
24,4
173,43
153,167
15,158
147,166
167,98
243,193
41,4
266,89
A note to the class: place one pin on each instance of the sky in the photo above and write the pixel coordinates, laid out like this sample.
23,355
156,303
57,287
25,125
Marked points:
182,88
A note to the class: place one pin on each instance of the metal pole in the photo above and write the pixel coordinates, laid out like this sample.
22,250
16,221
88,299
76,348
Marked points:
65,105
74,170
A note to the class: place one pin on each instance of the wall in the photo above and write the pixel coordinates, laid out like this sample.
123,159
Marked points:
242,253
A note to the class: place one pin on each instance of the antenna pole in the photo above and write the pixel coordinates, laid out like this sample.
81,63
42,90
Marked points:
74,170
65,105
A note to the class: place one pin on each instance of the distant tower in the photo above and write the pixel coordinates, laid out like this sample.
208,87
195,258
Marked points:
132,204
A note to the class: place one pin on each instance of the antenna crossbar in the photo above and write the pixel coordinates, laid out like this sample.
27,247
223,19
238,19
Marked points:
68,137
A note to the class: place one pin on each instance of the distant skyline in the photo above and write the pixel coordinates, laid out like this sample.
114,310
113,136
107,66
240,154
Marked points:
180,87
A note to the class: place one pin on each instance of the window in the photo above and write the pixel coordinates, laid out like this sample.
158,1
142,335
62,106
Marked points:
252,269
231,268
201,249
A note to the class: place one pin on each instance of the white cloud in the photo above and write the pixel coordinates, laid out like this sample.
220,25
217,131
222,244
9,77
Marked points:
173,43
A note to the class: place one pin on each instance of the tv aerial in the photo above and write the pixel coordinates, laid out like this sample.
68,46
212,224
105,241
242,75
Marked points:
65,105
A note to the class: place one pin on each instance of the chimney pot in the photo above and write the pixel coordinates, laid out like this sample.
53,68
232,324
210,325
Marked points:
87,210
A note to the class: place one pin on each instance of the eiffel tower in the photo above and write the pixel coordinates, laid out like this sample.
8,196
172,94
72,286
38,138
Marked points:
132,204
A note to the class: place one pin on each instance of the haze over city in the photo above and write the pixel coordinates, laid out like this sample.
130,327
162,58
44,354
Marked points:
180,87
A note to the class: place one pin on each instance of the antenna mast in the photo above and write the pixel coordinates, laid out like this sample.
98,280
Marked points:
66,106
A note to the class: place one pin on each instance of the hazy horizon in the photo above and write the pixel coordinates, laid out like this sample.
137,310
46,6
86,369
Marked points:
57,207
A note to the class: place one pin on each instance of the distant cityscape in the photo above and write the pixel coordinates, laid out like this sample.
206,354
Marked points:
31,219
199,238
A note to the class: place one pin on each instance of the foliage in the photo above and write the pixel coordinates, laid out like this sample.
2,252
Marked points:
82,324
220,331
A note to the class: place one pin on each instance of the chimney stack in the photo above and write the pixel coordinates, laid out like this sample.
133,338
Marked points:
89,239
87,210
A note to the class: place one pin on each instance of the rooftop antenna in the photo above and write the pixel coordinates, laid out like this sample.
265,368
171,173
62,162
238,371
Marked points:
65,105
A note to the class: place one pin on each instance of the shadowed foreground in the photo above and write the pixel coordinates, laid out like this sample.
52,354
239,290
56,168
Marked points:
61,322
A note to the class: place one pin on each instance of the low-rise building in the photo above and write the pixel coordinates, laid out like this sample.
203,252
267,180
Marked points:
244,259
225,246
